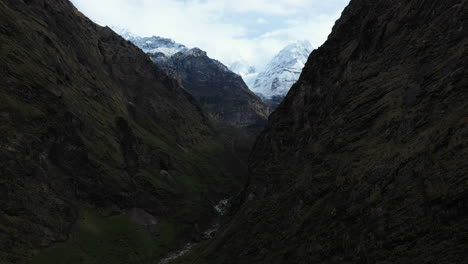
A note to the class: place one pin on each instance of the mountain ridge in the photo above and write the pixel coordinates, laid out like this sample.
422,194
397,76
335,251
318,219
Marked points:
221,92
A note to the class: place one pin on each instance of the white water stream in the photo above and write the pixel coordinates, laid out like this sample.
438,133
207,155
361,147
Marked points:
221,208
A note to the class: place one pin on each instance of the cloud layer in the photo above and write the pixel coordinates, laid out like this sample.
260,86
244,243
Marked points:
229,30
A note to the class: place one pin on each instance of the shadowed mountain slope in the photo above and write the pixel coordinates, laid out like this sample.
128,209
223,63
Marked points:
221,92
103,157
366,159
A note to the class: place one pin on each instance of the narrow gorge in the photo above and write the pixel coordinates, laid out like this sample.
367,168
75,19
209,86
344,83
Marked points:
115,151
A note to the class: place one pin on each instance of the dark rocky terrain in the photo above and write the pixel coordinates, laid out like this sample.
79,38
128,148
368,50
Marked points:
103,157
222,93
366,160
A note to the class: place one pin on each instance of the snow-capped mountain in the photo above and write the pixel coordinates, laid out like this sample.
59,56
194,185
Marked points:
242,68
157,44
153,44
221,92
280,74
245,70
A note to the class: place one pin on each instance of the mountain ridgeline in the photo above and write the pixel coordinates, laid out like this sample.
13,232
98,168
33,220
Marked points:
104,158
366,159
221,93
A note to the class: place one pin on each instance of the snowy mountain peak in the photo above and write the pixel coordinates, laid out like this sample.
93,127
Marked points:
157,44
283,70
152,44
245,70
242,68
274,82
297,51
196,52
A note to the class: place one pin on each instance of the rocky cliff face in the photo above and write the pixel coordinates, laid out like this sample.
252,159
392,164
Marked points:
365,161
97,145
220,91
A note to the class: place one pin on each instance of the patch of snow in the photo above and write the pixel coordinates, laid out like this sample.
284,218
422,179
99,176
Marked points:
153,44
246,71
242,68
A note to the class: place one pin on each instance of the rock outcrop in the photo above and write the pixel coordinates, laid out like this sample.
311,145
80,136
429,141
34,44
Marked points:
219,91
366,159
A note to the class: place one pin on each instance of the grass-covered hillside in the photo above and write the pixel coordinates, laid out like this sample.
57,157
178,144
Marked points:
103,158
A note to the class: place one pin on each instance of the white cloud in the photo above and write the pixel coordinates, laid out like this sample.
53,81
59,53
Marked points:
222,27
261,20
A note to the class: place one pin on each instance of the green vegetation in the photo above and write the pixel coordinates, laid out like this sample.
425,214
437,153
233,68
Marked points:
113,239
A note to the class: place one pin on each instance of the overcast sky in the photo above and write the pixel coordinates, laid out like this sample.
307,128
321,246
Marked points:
229,30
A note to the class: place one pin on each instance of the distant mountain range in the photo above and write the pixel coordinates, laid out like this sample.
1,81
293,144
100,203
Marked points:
271,84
